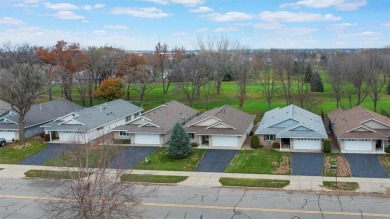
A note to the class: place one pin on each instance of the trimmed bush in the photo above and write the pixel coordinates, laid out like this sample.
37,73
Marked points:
194,144
179,145
255,142
275,145
326,148
387,150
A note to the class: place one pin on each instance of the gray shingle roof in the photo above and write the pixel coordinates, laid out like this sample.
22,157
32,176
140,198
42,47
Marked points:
94,117
164,116
42,113
238,120
303,118
4,107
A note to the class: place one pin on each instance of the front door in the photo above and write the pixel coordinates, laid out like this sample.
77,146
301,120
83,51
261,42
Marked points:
378,145
285,143
205,139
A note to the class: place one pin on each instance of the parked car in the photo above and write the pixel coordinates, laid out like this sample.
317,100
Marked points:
2,142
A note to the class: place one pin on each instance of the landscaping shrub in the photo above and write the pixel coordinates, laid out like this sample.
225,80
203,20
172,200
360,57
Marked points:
179,145
387,150
194,144
46,137
255,142
326,148
316,84
275,145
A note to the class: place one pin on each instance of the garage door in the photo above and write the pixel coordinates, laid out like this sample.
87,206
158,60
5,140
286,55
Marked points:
7,135
224,141
147,139
307,144
361,145
67,137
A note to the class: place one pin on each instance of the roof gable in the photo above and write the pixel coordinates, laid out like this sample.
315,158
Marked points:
361,129
374,124
206,122
284,124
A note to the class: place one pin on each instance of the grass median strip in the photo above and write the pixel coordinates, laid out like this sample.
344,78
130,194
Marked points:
346,186
48,174
339,160
159,160
265,183
152,178
385,160
260,161
13,153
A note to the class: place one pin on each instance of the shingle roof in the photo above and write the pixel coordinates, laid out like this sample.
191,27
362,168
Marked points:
345,120
238,120
41,113
164,116
94,117
303,118
4,107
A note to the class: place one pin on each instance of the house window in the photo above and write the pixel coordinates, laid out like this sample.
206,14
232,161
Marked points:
128,118
191,135
122,133
270,137
100,128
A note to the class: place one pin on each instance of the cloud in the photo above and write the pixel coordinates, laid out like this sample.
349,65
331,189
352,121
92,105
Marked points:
285,16
297,31
364,35
342,5
68,15
202,9
95,6
11,21
182,2
202,30
99,32
229,16
226,29
342,26
179,34
61,6
386,24
268,26
116,27
151,12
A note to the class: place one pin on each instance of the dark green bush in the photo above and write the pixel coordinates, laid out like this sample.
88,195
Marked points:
255,142
387,150
194,144
275,145
326,148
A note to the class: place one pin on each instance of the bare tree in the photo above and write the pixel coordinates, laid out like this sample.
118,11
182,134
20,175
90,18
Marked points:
142,83
337,77
376,76
283,66
356,67
241,71
262,68
303,87
22,81
161,53
95,191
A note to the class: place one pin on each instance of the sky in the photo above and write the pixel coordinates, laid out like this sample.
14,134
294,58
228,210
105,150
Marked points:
141,24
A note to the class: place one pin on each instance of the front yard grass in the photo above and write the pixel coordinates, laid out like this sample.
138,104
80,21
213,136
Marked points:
13,153
265,183
385,160
48,174
260,161
152,178
342,170
346,186
159,160
87,156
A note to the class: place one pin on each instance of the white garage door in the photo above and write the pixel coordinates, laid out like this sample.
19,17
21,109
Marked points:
147,139
67,137
352,145
224,141
307,144
8,135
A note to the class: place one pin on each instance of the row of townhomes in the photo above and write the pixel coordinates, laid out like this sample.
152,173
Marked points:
356,130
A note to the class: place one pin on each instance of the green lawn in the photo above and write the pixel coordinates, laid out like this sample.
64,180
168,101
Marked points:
12,154
266,183
97,156
159,160
152,178
385,160
260,161
347,186
47,174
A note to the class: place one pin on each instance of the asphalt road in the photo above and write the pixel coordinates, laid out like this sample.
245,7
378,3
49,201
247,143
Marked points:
18,199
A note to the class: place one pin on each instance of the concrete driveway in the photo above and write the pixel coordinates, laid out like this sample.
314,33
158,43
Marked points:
306,164
366,165
131,156
52,151
215,160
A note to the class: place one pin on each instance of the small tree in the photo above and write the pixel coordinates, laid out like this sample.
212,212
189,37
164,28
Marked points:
316,83
255,142
110,89
179,145
308,74
388,86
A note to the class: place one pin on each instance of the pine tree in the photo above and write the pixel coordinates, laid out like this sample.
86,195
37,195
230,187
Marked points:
388,86
308,74
316,83
179,145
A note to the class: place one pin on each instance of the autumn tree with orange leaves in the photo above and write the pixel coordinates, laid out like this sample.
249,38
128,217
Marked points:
110,89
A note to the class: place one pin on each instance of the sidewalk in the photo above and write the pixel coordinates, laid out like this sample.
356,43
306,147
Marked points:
209,179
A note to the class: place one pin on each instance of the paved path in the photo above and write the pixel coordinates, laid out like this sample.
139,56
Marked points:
366,165
131,156
209,179
215,160
52,151
307,164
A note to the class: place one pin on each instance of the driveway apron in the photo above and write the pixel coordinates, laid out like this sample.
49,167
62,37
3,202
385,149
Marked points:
306,164
131,156
52,151
366,165
215,160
